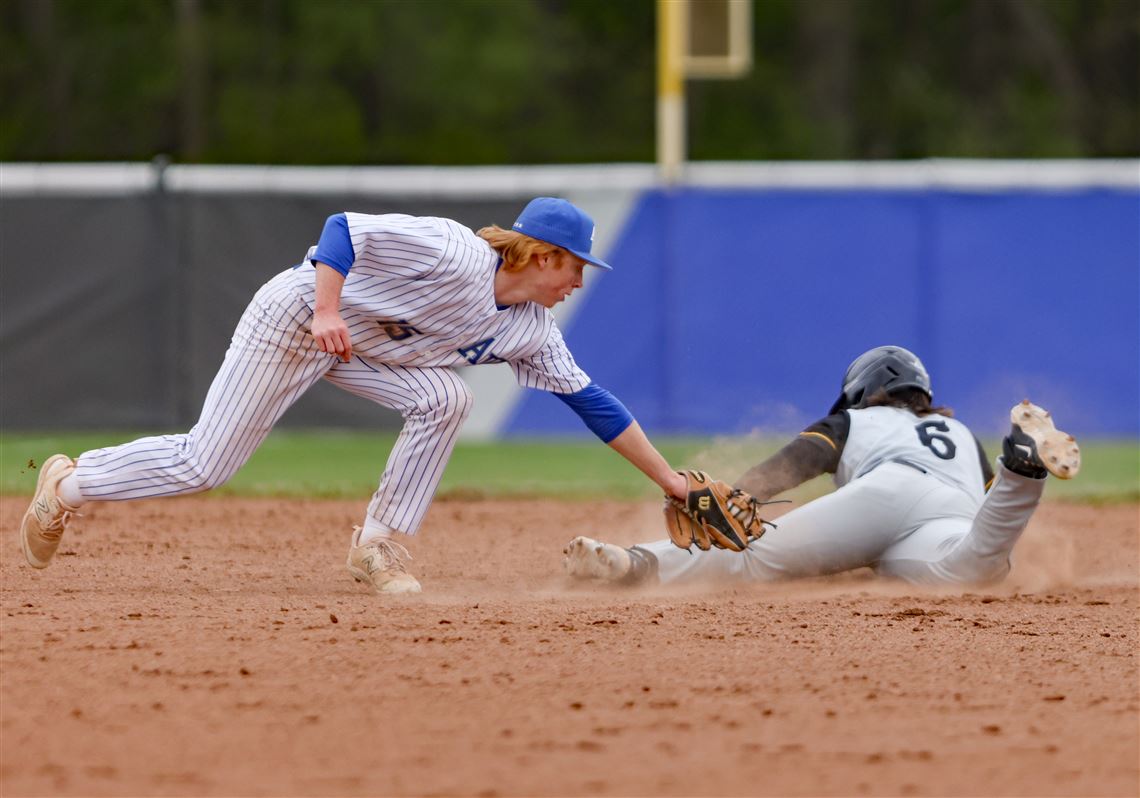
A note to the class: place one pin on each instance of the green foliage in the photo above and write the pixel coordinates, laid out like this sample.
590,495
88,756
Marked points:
349,464
523,81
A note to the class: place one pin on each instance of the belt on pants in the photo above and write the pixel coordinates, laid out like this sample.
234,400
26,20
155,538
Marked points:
915,466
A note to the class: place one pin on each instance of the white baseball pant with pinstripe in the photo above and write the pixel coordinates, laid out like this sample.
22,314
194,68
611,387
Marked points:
272,360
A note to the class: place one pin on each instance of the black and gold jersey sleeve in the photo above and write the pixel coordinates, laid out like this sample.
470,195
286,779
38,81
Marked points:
814,451
830,435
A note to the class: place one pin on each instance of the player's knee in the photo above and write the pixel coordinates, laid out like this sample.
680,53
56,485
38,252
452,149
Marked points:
464,400
215,479
973,572
452,404
200,476
993,572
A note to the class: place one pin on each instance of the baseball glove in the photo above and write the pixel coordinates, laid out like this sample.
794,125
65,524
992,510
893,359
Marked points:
713,514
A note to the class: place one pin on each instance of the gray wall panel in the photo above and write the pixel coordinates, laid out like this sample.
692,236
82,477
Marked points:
83,314
117,311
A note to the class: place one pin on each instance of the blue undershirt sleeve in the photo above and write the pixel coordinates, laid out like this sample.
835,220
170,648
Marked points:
600,410
335,245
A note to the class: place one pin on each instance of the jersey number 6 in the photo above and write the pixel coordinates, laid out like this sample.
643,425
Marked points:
941,445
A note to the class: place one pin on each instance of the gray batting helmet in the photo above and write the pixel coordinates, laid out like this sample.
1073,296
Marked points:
885,367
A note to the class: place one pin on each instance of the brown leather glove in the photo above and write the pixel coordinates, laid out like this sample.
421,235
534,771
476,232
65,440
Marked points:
713,514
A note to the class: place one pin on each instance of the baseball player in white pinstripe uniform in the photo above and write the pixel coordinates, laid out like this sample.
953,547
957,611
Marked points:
916,498
386,307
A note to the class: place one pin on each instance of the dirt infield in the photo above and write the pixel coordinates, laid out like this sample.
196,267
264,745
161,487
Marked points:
211,646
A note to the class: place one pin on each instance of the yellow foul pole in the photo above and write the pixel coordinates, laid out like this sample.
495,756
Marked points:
671,17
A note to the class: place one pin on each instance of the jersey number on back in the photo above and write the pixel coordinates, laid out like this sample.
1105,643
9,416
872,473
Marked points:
941,445
397,329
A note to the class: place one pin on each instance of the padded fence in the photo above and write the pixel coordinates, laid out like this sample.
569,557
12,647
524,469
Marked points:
730,309
115,312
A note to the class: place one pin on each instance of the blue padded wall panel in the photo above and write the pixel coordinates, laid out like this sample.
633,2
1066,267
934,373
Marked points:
763,310
735,310
1040,297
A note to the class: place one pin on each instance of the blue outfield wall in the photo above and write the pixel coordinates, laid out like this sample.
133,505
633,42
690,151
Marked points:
732,311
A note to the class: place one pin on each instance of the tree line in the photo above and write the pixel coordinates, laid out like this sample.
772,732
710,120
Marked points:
556,81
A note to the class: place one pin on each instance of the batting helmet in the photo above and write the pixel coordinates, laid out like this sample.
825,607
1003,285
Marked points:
887,368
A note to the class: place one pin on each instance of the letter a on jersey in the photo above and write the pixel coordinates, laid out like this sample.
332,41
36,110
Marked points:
475,352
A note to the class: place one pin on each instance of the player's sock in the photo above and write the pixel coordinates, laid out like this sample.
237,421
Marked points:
642,567
69,493
372,530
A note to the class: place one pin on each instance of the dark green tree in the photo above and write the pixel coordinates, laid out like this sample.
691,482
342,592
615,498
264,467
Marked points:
549,81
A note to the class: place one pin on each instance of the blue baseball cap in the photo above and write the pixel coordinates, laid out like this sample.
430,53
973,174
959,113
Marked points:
562,223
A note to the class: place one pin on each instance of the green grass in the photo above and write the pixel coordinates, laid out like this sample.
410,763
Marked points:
349,464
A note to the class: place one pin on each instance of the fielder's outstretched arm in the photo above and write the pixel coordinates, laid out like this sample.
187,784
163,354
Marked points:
633,445
608,418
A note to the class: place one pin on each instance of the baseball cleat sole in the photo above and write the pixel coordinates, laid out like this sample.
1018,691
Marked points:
1058,451
586,558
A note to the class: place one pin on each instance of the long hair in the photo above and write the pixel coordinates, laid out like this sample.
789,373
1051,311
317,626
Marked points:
514,248
912,399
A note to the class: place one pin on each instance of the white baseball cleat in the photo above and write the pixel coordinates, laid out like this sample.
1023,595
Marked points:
1035,446
587,558
380,563
47,516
